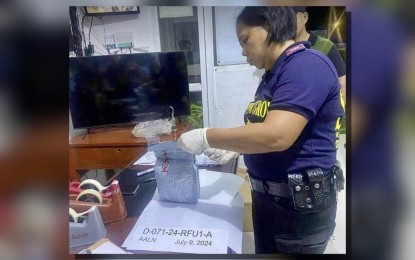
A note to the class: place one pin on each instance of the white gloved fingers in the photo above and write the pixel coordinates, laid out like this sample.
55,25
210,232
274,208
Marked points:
209,151
222,156
219,153
226,157
214,157
214,153
193,141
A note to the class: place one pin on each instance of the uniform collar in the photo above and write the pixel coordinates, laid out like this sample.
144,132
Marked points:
289,51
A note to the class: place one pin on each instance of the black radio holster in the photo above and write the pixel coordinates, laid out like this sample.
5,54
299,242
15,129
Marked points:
308,195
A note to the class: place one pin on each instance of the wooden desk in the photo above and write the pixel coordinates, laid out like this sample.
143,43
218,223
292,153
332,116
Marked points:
109,148
118,231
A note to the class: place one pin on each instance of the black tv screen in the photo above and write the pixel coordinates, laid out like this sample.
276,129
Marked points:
127,88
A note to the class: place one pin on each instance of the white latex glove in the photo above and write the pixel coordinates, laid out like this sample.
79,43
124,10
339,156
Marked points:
220,156
193,141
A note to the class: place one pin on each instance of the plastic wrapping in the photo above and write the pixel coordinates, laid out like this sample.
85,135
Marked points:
155,127
176,173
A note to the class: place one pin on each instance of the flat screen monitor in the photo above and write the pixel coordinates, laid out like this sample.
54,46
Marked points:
127,88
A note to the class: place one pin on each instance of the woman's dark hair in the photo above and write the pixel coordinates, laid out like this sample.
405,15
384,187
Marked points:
279,21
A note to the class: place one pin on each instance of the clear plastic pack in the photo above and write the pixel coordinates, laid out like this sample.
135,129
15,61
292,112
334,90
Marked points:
155,127
152,128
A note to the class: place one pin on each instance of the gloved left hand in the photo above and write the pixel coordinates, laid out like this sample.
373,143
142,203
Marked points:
193,141
220,156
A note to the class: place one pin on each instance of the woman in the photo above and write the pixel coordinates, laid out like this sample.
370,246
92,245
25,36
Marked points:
289,140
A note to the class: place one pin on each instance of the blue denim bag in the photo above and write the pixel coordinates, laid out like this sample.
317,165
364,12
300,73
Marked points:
176,173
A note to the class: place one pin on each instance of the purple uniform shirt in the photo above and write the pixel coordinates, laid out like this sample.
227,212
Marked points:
305,82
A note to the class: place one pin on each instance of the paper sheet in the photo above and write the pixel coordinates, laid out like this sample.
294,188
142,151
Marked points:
201,215
103,246
182,240
219,187
108,248
149,158
220,207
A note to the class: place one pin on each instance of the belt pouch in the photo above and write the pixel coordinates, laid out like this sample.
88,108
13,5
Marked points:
297,190
317,187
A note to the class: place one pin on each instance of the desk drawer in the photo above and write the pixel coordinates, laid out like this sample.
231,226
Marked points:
104,158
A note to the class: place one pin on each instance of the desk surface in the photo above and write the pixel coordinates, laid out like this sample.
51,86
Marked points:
119,230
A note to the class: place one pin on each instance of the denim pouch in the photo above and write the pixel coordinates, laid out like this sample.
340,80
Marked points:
176,173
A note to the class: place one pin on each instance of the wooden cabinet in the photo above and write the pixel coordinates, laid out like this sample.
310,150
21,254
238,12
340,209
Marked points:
104,158
110,148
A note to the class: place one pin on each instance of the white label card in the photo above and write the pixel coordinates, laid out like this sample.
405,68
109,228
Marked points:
182,240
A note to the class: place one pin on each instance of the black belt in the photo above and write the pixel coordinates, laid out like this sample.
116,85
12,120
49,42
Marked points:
281,189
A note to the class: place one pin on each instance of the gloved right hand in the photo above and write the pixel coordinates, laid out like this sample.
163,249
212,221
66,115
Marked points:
219,155
193,141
